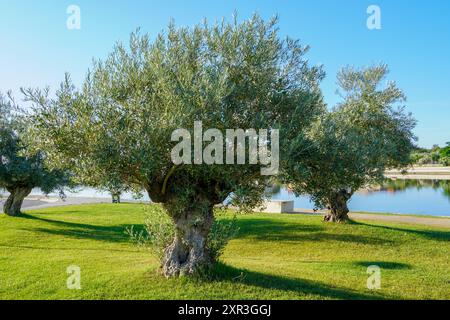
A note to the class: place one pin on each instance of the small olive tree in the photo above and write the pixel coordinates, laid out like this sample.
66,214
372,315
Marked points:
20,173
115,186
353,145
228,75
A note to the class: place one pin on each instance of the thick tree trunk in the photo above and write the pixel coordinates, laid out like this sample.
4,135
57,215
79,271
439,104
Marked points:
187,254
14,202
338,209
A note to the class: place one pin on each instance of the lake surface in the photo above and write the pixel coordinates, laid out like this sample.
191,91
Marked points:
424,197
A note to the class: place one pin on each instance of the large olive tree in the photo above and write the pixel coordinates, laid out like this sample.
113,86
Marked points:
229,76
19,172
352,145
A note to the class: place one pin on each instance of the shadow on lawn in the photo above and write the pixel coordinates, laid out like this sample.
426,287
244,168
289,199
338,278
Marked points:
384,265
64,248
302,287
84,231
272,230
258,229
428,234
264,229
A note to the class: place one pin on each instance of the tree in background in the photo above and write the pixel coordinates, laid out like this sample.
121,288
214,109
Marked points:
445,155
20,173
229,76
114,186
434,156
353,145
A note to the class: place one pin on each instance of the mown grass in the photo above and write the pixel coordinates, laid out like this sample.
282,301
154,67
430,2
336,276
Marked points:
273,257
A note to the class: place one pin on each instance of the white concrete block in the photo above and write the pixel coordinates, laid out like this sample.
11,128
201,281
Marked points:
277,206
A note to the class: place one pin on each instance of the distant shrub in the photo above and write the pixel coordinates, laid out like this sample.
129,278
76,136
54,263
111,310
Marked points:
157,233
445,152
445,161
425,159
222,232
416,156
435,156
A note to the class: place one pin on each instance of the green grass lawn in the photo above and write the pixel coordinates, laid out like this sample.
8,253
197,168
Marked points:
273,257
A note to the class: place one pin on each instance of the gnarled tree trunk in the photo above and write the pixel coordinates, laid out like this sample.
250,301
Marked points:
13,204
338,209
188,253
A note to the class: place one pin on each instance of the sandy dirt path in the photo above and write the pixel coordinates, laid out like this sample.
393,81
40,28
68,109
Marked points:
394,218
433,222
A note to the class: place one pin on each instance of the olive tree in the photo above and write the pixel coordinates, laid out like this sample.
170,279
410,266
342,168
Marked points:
114,186
19,172
238,75
352,145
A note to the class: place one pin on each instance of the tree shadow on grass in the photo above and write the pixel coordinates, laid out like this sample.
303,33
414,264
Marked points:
114,233
272,230
389,265
301,287
66,248
261,226
428,234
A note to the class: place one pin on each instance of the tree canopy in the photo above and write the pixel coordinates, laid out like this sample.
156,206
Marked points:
19,172
226,75
352,145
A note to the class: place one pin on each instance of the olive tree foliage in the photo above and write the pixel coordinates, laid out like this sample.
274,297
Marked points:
352,145
19,172
227,75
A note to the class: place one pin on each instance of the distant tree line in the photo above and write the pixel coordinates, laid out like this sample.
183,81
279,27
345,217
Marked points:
435,155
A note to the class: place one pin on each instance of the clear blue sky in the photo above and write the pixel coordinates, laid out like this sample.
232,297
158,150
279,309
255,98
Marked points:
36,48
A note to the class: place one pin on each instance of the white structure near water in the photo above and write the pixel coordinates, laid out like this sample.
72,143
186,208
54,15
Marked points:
277,206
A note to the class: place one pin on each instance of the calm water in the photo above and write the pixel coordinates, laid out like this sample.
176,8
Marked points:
425,197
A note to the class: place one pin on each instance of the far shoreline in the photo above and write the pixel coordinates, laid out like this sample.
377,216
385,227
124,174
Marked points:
431,172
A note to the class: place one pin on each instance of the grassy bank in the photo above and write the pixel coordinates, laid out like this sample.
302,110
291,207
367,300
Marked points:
274,257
